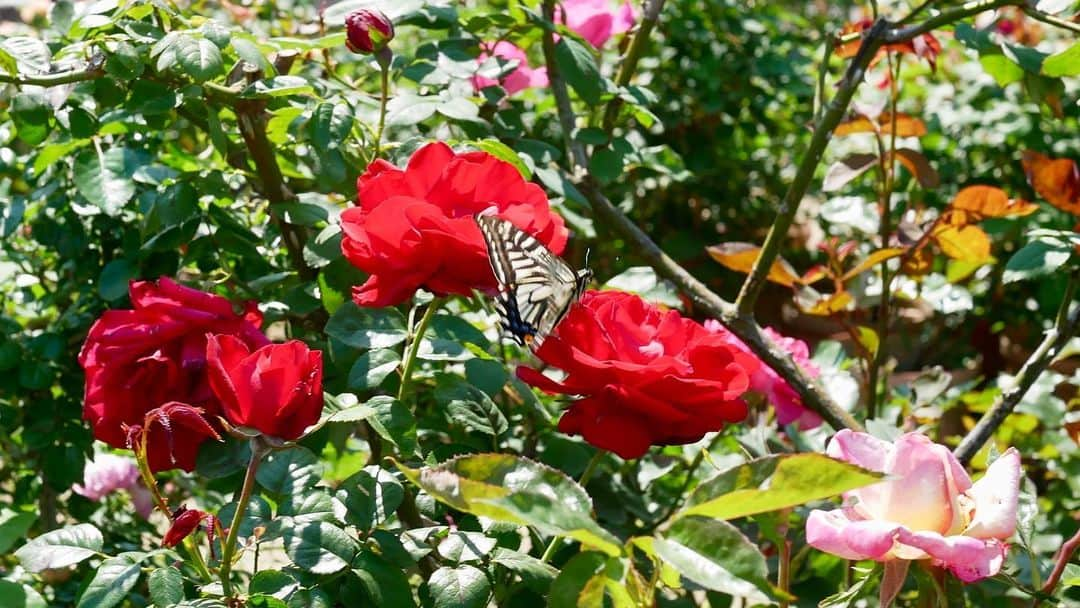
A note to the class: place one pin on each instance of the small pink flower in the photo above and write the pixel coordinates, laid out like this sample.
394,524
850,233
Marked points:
598,20
776,390
523,77
928,509
109,473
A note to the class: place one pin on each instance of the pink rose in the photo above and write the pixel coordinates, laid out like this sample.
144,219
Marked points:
929,509
776,390
598,20
523,77
108,473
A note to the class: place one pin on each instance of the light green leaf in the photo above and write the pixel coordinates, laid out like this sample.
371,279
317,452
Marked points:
319,547
1065,63
774,482
577,583
461,587
115,577
462,546
536,575
13,525
60,548
513,489
715,555
410,109
105,179
166,587
372,367
290,471
278,86
198,57
367,327
504,152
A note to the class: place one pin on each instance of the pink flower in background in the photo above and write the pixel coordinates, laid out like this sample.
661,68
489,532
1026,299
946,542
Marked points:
598,20
523,77
928,509
776,390
108,473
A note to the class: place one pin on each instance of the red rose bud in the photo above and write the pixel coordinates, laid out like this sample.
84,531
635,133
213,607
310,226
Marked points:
368,31
276,390
185,521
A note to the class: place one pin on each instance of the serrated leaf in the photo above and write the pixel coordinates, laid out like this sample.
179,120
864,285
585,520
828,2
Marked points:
772,483
105,179
115,577
273,582
579,68
715,555
319,547
372,367
461,587
366,327
61,548
459,546
166,587
198,57
536,575
380,582
410,109
1040,257
517,490
370,497
478,412
289,471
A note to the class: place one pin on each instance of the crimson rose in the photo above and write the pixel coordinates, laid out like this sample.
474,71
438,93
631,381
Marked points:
414,228
137,360
646,376
276,390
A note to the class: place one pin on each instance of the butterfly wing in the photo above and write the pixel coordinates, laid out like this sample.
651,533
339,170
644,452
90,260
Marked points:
536,288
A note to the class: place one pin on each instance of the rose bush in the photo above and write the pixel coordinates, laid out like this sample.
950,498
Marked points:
645,376
139,359
414,228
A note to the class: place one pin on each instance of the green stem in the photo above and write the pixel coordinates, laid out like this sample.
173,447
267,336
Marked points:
586,475
413,348
630,60
384,80
258,451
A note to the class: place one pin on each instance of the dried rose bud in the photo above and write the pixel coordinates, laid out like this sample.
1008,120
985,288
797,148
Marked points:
185,521
368,31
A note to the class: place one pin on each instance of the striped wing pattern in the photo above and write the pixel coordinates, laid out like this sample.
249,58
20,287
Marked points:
536,288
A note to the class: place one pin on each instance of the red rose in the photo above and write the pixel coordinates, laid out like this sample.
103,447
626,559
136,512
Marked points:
646,376
137,360
368,31
414,228
276,390
184,522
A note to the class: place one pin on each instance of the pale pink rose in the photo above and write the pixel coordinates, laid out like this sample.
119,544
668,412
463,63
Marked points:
598,20
108,473
929,509
776,390
523,77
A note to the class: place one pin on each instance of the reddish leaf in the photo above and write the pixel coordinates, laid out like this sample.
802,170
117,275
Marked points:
919,166
1055,179
740,257
906,126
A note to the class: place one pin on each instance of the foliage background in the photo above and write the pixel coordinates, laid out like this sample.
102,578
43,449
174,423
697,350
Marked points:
144,168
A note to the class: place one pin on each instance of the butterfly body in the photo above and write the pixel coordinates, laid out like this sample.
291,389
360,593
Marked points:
536,288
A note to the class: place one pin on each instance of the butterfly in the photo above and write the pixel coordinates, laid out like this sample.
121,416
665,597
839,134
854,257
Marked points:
536,288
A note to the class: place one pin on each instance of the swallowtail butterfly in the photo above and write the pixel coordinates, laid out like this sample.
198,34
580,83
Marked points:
536,288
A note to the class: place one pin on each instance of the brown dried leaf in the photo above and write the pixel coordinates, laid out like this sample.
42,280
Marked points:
918,165
843,171
740,257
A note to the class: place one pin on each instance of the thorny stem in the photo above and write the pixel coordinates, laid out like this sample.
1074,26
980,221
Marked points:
1066,325
1061,560
586,475
416,337
258,452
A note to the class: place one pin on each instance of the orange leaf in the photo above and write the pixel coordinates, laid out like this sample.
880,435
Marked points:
925,46
1055,179
872,260
827,305
740,257
918,263
906,126
982,202
919,166
968,243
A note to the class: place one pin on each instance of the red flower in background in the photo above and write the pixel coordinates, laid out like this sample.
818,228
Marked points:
277,389
137,360
414,228
645,376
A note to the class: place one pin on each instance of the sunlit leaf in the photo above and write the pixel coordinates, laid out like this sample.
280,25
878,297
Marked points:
843,171
740,257
906,126
60,548
968,243
981,202
872,260
917,164
813,303
1055,179
715,555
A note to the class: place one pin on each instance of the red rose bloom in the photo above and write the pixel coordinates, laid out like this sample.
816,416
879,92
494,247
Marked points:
414,228
646,376
137,360
185,521
276,390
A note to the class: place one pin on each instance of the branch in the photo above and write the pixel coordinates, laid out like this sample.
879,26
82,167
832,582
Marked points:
630,60
965,10
1062,560
1052,20
578,156
57,79
1065,327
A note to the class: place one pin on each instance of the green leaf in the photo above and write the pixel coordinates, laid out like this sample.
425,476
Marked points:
319,547
166,587
367,327
290,471
273,582
536,575
1065,63
715,555
517,490
848,597
478,412
380,582
459,546
409,109
572,588
315,505
1029,59
258,513
329,126
105,179
459,108
372,367
13,524
606,164
461,587
15,595
1004,70
198,57
60,548
774,482
370,496
394,422
113,282
250,52
1048,251
504,152
30,112
579,67
278,86
31,55
115,577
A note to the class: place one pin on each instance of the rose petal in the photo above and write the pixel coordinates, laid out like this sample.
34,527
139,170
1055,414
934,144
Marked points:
970,559
995,498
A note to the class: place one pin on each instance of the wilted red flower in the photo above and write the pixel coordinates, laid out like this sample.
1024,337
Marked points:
368,31
646,376
415,228
276,390
184,522
137,360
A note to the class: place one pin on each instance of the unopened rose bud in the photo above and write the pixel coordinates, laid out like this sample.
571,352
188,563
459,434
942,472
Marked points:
368,31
